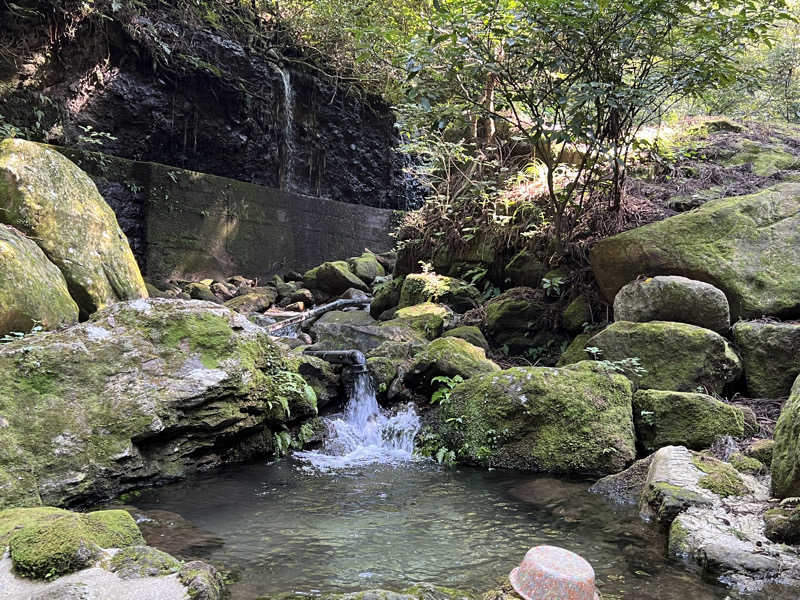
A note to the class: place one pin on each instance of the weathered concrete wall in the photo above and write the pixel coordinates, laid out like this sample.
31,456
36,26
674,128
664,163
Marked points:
188,225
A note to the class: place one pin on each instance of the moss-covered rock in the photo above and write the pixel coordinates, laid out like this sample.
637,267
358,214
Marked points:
46,542
147,390
514,314
419,288
576,351
52,201
571,420
676,356
135,562
366,267
427,318
765,159
747,464
720,477
576,314
448,357
782,524
673,298
202,581
771,356
252,302
747,246
32,289
470,333
333,278
525,270
386,296
761,450
664,418
318,374
785,468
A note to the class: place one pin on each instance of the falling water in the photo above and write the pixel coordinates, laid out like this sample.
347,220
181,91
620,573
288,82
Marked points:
288,129
365,433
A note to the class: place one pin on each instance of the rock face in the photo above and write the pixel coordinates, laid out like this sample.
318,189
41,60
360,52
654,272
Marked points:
786,449
771,356
32,289
747,246
677,356
146,391
571,420
673,298
48,198
665,418
447,356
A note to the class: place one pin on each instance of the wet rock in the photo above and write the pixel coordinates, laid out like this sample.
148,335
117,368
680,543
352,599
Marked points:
673,298
147,390
345,330
785,466
333,278
627,486
748,246
354,294
32,289
202,581
419,288
445,357
52,201
782,524
469,333
770,353
664,418
576,419
676,356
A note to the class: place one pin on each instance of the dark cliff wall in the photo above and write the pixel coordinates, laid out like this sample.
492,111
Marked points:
187,225
172,92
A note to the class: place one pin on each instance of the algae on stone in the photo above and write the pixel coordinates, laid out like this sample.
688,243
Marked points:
785,467
32,289
448,357
52,201
470,333
771,356
576,419
747,246
676,356
419,288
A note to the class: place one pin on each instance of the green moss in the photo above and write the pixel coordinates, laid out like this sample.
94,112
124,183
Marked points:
693,420
427,318
746,464
366,267
766,159
207,334
577,313
761,450
678,535
469,333
517,312
720,478
46,543
143,561
419,288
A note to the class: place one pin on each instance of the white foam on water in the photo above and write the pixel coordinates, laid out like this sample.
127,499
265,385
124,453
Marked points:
365,434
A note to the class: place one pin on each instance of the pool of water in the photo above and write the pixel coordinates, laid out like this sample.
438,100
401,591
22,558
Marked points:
288,528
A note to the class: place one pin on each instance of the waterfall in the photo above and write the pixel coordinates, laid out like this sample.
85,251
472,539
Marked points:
288,129
365,433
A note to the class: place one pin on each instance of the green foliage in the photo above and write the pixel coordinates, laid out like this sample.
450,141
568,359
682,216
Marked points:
283,441
552,287
630,367
442,393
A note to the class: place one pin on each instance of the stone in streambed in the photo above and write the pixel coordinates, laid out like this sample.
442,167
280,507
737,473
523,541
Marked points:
771,356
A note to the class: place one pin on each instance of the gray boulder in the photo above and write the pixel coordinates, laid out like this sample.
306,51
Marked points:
770,352
673,298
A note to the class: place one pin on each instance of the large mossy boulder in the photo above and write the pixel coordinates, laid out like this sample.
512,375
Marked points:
430,287
470,333
146,391
765,159
664,418
747,246
675,356
427,318
52,201
525,270
576,314
333,278
673,298
47,542
513,315
366,267
386,296
32,289
448,357
771,355
576,419
785,468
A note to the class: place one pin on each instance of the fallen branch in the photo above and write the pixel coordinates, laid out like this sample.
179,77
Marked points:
275,329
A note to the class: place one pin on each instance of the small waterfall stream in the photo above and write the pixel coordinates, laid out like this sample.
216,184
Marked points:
365,433
287,174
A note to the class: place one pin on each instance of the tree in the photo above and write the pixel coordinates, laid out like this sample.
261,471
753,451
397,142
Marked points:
578,79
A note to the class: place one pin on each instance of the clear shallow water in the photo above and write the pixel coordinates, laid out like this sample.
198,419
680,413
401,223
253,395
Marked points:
288,528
